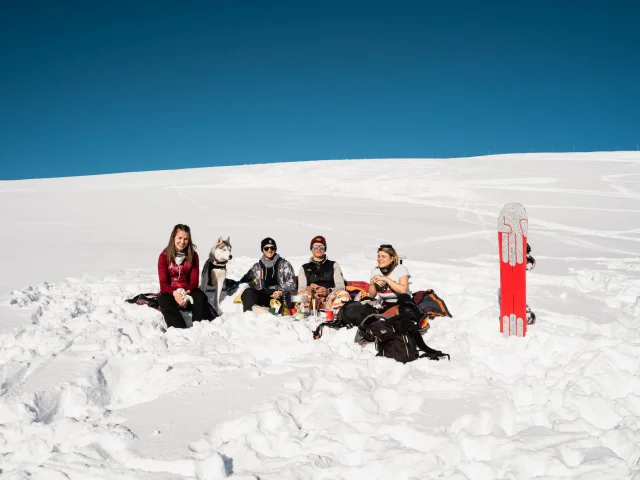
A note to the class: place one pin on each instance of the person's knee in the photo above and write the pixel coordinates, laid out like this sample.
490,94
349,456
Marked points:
248,294
341,294
165,300
197,294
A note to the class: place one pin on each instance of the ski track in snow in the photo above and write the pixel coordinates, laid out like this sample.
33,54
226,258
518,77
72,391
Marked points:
93,387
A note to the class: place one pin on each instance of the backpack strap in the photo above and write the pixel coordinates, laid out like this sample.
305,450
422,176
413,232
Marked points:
369,319
336,324
429,352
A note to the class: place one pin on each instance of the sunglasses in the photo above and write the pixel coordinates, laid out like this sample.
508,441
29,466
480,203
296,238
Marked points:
386,245
319,247
269,249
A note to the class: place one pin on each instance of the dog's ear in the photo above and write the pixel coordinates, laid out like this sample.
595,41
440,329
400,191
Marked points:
219,241
229,240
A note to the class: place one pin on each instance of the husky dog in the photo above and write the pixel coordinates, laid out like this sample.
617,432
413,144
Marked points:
214,271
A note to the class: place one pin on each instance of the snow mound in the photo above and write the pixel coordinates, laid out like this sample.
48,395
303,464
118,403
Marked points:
253,394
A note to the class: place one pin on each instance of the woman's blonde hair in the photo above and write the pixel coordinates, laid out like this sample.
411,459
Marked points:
389,250
171,247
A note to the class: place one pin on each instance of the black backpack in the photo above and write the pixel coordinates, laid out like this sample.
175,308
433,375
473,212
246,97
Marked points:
398,337
350,315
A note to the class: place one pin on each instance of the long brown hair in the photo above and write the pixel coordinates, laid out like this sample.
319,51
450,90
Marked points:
171,248
389,250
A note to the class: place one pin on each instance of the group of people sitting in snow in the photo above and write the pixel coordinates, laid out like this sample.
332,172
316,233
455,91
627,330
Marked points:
272,277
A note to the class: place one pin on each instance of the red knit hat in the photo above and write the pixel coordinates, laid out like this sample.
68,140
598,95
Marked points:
318,239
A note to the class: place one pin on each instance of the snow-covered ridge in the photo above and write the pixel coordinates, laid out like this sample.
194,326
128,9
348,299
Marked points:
92,387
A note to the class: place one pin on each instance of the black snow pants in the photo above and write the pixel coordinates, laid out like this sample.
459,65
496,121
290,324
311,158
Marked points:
171,310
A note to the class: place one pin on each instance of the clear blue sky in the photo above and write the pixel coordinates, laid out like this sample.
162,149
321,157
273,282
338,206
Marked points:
108,86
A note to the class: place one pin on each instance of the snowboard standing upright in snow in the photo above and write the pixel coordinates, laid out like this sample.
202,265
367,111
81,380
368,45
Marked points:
512,248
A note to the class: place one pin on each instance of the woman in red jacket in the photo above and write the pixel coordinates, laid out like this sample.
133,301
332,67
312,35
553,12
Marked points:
179,268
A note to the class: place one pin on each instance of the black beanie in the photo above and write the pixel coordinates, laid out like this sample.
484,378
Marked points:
268,241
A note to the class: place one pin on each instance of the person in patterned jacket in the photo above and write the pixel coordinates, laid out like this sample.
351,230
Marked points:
270,277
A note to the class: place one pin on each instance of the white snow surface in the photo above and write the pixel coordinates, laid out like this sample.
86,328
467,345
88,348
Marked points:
94,388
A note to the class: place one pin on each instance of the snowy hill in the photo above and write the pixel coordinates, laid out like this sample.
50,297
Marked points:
91,387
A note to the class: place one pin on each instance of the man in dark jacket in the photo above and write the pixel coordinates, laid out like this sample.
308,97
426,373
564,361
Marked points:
270,277
321,279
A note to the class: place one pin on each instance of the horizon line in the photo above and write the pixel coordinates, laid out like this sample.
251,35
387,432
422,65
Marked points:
124,172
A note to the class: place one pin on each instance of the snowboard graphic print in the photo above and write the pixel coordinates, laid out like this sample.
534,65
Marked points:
512,246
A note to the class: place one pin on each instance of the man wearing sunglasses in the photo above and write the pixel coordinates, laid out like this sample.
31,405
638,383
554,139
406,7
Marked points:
270,277
322,279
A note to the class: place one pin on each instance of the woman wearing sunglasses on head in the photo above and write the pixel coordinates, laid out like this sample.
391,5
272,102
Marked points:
389,279
179,274
270,277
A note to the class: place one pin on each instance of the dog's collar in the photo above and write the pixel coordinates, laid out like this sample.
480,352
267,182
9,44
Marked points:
218,265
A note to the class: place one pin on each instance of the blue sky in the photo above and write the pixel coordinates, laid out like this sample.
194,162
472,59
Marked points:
100,87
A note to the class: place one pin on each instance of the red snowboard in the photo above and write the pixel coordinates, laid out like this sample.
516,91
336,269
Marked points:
512,246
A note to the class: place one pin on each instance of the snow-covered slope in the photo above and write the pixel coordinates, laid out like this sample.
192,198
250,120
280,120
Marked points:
91,387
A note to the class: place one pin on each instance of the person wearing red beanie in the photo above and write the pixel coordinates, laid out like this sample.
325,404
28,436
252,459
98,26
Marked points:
322,279
319,240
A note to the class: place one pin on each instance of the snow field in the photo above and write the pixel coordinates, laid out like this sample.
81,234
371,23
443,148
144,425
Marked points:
547,405
93,387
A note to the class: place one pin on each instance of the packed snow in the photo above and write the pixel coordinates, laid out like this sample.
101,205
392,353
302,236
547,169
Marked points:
92,387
